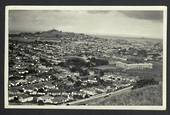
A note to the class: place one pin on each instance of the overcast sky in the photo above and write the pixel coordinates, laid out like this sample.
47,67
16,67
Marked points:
123,23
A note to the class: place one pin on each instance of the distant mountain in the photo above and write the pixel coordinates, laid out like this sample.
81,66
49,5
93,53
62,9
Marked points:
54,34
49,35
123,37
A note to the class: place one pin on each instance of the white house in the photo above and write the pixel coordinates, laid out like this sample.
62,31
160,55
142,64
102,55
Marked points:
25,99
45,99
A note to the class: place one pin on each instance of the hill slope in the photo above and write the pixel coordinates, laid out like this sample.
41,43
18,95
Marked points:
150,95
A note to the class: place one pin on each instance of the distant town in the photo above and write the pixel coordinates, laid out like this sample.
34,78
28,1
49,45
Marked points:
54,67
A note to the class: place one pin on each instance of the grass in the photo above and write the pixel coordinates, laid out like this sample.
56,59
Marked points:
149,95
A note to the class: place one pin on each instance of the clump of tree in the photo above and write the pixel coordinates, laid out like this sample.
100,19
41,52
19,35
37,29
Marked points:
135,59
98,61
45,62
145,82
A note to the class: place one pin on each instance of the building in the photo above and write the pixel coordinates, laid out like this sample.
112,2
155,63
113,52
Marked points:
60,99
25,98
88,91
134,65
121,64
49,86
45,99
140,66
12,97
100,90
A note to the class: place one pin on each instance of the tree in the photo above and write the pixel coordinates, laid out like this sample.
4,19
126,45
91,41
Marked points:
41,90
142,53
145,82
40,102
86,96
70,79
100,80
77,83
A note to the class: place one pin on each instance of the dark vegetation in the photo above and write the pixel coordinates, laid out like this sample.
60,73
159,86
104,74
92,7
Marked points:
144,82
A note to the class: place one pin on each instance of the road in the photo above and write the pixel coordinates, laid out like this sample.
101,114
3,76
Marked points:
103,95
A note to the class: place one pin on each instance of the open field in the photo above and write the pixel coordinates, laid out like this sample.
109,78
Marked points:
149,95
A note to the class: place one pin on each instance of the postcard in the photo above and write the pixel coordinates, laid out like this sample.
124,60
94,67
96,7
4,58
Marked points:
85,57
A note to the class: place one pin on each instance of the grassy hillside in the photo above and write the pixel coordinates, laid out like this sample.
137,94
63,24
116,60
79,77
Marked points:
150,95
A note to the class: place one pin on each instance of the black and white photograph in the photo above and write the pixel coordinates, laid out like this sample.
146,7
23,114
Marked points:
85,57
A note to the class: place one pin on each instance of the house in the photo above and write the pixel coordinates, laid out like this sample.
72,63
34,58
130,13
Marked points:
76,74
27,89
100,90
45,99
91,72
12,97
121,64
60,99
54,92
33,93
88,91
23,72
92,81
40,94
35,58
25,98
22,81
106,79
49,86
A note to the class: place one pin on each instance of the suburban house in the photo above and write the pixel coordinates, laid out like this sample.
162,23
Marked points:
25,98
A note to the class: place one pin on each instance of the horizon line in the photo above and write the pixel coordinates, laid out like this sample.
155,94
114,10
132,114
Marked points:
93,34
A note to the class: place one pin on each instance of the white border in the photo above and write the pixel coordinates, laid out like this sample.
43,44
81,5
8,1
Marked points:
134,8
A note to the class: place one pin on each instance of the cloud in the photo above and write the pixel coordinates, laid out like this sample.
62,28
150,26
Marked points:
138,23
146,15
